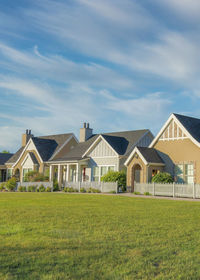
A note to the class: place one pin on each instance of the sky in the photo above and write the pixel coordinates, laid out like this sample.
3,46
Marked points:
117,64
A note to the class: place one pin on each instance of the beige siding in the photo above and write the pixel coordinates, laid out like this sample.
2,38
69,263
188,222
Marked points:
179,151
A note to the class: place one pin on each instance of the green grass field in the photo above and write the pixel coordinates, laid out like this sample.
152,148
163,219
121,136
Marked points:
76,236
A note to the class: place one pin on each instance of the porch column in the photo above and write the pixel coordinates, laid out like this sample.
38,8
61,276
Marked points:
77,172
50,174
67,173
59,169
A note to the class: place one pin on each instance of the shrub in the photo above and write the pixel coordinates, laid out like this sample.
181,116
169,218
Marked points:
92,190
55,186
11,184
116,176
21,189
70,189
35,176
162,177
41,188
82,190
32,188
147,193
2,186
137,193
112,191
48,189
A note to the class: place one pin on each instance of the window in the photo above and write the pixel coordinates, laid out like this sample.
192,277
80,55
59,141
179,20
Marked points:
103,170
25,171
96,174
184,173
111,168
100,171
9,173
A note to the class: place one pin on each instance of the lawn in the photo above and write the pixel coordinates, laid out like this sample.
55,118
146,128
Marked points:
82,236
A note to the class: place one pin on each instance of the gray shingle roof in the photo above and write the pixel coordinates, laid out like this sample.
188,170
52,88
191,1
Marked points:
15,157
4,157
46,146
150,155
192,125
121,142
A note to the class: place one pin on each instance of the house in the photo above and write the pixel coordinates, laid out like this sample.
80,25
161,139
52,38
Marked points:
175,149
4,157
96,154
35,152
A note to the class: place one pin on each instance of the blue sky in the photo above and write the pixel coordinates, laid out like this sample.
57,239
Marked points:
117,64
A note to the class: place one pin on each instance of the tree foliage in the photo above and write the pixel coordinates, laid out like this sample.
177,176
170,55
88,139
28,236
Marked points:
116,176
162,177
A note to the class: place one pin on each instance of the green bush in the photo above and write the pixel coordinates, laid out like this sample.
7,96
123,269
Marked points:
82,190
112,191
32,188
93,190
41,188
21,189
55,186
2,186
70,189
137,193
147,193
162,177
35,176
48,189
116,176
11,184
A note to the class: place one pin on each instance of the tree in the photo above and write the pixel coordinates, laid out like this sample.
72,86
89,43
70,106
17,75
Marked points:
116,176
5,152
162,177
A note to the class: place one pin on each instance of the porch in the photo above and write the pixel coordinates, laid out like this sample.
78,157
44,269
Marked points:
69,172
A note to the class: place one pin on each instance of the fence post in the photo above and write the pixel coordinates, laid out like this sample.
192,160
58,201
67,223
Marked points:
193,185
153,188
173,189
79,186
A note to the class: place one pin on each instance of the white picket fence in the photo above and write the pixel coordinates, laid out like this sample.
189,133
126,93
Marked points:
37,184
104,187
173,190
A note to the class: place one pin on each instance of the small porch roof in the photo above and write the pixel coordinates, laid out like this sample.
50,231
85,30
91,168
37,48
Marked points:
148,155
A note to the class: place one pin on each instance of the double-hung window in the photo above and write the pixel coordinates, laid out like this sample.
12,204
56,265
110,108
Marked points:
100,171
184,173
25,171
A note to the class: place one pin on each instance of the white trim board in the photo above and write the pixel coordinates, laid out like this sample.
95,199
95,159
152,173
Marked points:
25,148
173,117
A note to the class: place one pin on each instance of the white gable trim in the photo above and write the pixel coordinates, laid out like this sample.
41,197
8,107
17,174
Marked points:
95,142
67,141
135,150
25,148
173,117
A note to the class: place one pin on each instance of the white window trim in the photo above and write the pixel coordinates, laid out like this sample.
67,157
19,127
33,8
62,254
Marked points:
99,166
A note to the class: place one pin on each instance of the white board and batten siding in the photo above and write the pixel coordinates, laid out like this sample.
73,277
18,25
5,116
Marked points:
102,149
28,163
103,155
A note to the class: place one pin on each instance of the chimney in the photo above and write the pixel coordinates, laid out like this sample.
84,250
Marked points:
25,137
85,132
